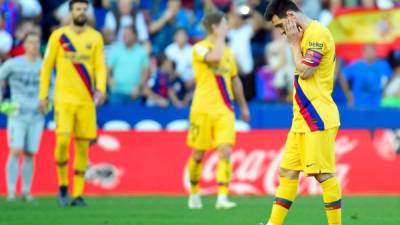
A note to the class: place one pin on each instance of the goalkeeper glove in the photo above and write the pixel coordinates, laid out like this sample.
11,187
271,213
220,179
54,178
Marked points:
9,108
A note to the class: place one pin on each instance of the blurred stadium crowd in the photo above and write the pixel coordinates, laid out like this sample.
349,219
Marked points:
148,48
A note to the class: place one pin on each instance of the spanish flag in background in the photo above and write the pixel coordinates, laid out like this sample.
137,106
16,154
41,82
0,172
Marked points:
354,27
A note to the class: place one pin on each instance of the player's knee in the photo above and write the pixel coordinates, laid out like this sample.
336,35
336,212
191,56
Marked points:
290,174
224,152
323,177
197,155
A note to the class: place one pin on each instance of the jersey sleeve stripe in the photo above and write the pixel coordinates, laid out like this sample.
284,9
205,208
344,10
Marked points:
224,92
307,110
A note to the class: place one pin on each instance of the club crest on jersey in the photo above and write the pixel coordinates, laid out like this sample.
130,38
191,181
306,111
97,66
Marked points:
316,45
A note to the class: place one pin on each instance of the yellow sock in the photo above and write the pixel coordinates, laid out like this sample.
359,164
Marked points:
80,165
224,171
195,169
61,156
332,195
284,198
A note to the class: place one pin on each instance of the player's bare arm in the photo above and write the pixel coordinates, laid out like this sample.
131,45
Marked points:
45,75
294,35
240,99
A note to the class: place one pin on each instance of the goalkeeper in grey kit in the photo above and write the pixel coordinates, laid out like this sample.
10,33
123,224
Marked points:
25,122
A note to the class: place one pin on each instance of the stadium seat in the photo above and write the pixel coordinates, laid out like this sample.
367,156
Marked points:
116,125
148,125
178,125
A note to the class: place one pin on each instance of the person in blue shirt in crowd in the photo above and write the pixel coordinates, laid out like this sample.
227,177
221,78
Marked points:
367,78
166,22
128,63
166,86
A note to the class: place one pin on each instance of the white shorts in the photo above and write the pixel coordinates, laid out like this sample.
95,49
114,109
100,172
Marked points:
24,134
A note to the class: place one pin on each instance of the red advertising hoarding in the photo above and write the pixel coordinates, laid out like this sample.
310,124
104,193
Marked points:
155,163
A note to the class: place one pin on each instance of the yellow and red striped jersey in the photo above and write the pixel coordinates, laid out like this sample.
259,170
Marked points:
313,106
213,91
79,64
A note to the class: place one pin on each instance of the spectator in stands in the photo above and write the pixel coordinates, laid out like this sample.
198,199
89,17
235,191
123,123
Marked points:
280,61
108,37
367,78
48,20
326,15
312,8
392,90
24,26
180,51
197,30
126,15
157,90
6,40
11,14
265,89
129,66
30,8
166,86
167,22
178,94
241,31
341,94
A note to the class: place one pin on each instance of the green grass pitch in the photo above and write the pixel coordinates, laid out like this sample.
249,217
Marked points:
158,210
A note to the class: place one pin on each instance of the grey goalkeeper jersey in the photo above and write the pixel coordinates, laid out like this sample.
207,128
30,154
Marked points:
23,79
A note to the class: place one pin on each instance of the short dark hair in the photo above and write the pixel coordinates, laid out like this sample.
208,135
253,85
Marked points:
161,58
212,18
72,2
280,8
30,33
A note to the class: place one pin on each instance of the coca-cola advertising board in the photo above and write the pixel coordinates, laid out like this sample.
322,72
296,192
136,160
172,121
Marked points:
155,163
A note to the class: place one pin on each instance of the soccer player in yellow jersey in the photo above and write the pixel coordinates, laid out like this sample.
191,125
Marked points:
212,117
310,145
76,53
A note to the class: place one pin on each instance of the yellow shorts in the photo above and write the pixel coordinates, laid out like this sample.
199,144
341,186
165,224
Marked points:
313,152
79,120
209,130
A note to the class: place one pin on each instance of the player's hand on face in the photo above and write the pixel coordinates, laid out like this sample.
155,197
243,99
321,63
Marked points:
245,114
293,32
43,106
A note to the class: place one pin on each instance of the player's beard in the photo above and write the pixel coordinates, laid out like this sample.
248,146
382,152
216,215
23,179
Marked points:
80,21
